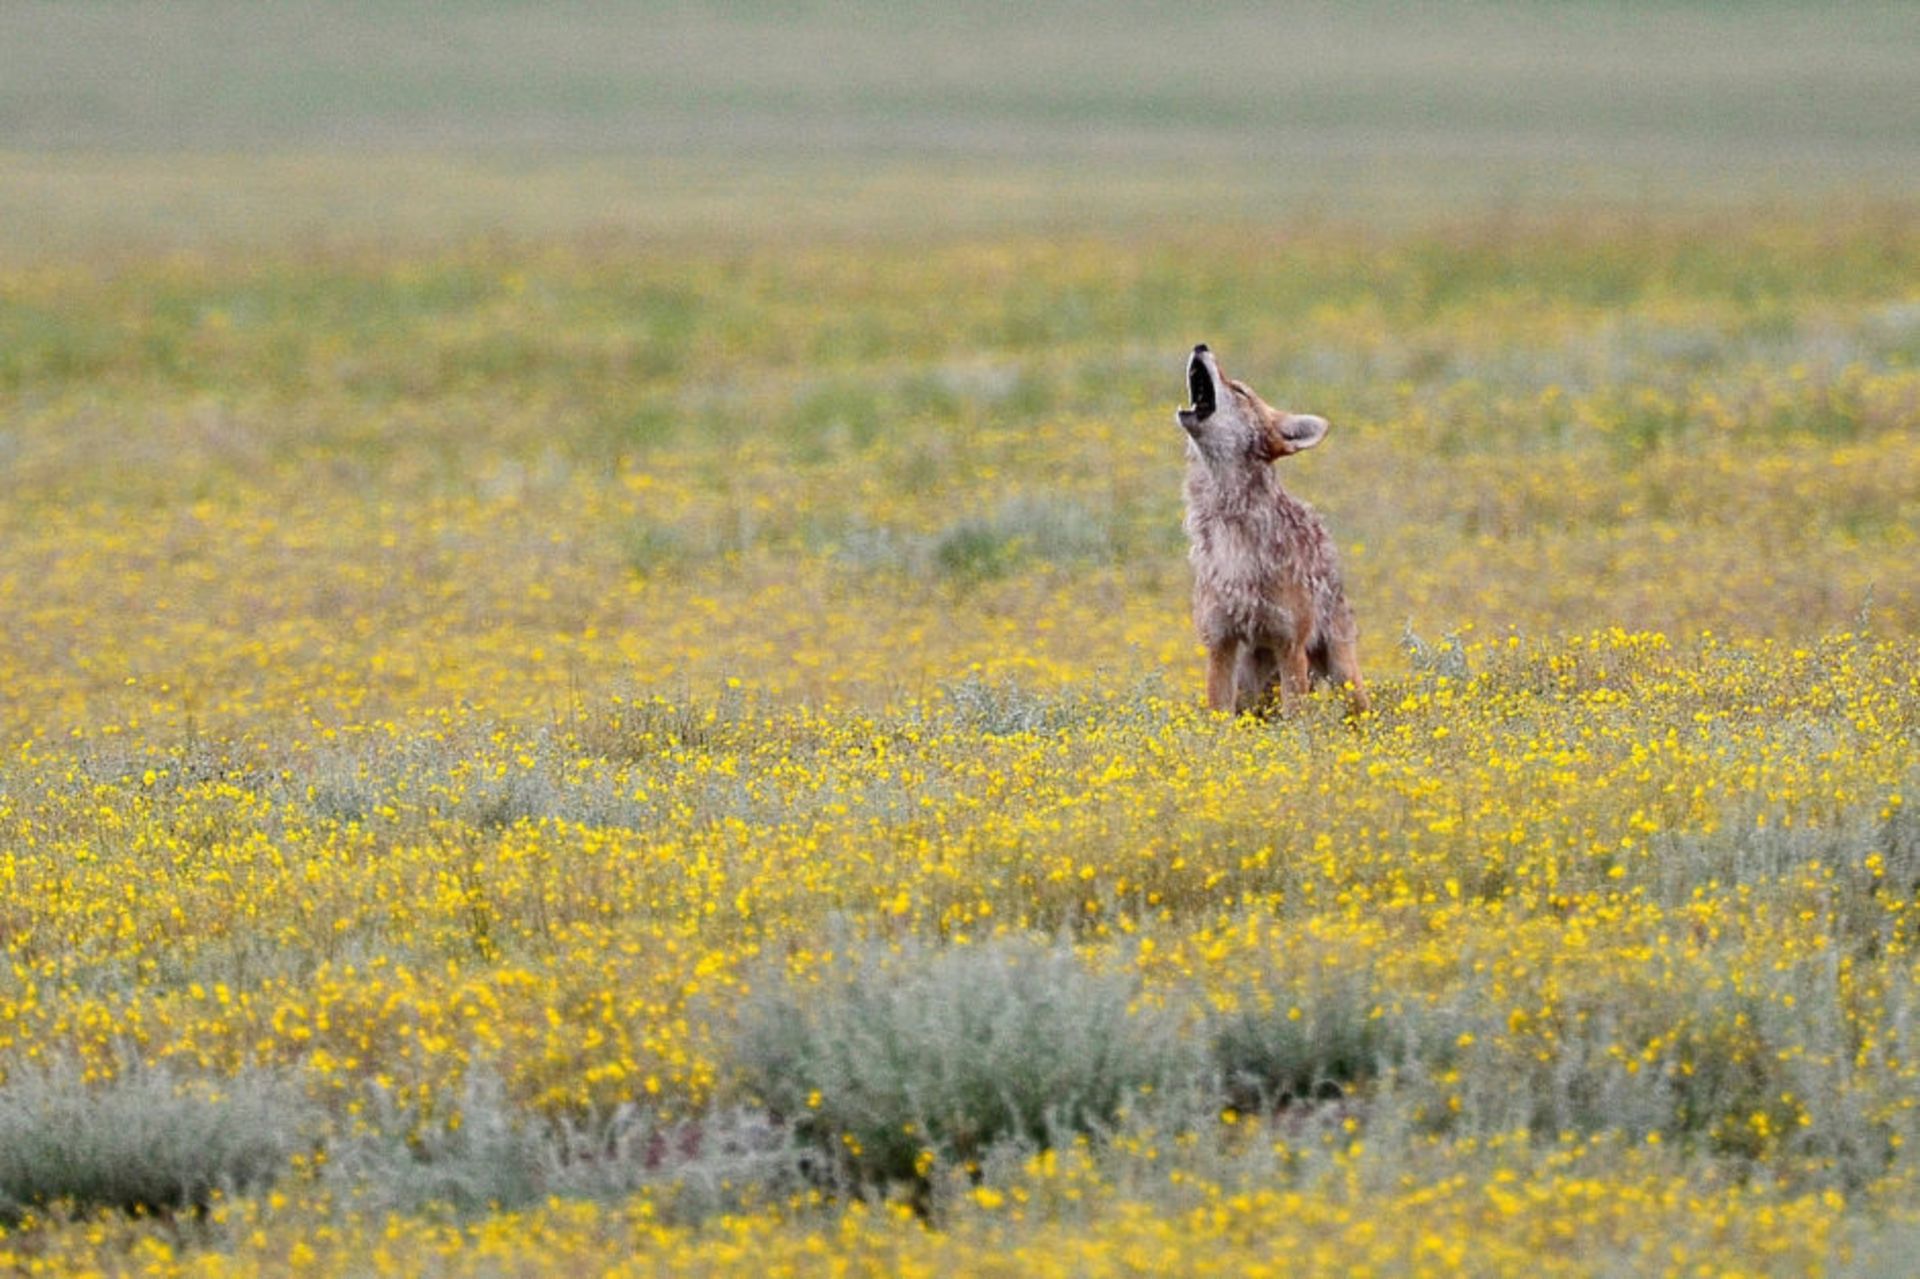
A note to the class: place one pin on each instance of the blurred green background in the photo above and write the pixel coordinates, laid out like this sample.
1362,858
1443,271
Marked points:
219,120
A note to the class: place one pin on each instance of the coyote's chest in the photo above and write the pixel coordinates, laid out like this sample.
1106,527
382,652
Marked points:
1250,579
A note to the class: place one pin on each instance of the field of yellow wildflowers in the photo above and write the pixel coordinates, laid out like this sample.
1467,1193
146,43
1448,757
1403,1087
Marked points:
570,753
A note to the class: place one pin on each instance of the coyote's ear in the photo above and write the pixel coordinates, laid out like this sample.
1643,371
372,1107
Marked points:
1290,432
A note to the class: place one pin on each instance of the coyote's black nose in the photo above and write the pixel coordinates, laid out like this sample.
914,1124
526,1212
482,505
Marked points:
1200,349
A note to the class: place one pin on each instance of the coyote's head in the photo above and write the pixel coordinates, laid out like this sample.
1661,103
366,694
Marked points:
1231,426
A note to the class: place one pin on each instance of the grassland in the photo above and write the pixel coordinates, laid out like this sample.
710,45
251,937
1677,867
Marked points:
468,686
627,707
216,122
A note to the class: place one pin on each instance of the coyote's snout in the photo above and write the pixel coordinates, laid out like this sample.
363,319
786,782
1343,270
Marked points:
1267,598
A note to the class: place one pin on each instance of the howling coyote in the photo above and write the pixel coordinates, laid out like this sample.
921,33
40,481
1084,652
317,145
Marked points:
1267,598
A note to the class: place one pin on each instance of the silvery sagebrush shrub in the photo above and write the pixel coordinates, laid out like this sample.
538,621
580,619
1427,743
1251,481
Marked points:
146,1140
891,1060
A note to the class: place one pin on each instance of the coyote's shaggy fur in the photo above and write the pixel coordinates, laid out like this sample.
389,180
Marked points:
1267,598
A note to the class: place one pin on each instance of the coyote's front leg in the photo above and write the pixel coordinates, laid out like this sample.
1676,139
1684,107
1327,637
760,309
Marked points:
1222,658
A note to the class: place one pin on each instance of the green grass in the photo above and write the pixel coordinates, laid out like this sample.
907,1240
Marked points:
1378,78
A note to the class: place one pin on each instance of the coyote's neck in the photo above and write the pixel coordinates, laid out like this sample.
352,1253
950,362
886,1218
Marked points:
1237,493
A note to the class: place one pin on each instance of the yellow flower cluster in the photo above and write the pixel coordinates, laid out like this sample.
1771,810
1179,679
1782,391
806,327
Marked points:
555,898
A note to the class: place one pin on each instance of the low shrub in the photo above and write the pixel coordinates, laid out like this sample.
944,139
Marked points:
895,1061
145,1141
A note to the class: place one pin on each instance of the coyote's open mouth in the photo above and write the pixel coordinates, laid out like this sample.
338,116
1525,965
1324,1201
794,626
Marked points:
1200,387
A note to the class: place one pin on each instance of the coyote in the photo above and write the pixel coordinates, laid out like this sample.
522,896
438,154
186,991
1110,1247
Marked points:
1267,598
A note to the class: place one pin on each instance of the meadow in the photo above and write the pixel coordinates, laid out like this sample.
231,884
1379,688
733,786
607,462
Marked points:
634,714
482,720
